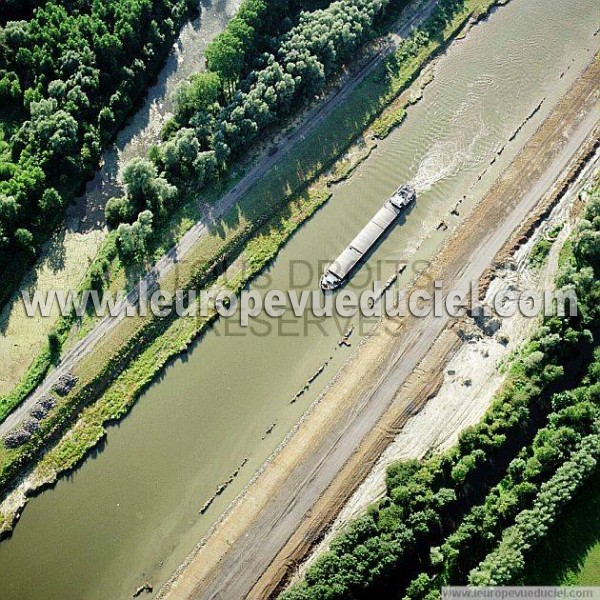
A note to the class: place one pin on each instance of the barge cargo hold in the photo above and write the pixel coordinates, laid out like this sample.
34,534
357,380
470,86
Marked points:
336,274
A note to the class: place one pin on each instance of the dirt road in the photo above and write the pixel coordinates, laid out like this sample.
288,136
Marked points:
202,228
271,526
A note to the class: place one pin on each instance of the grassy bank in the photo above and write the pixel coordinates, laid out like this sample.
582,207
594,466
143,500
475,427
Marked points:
257,228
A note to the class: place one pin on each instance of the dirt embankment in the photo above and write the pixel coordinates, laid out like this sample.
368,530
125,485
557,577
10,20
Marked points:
290,505
473,375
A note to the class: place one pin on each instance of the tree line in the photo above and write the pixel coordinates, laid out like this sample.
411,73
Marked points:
573,427
524,458
269,60
68,77
506,563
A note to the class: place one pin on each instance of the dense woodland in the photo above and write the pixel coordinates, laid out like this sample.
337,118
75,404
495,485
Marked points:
70,72
473,514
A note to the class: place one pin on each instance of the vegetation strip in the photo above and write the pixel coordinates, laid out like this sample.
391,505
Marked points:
570,554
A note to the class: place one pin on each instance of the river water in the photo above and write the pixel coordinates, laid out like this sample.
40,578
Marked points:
131,513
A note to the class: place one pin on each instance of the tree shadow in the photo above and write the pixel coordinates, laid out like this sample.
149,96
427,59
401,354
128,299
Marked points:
55,252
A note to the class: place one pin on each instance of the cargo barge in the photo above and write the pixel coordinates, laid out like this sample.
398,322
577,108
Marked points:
337,273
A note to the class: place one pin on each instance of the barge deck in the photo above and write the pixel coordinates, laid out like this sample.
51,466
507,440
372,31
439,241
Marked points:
337,273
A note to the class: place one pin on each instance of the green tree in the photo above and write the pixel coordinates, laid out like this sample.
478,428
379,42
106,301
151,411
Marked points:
145,189
24,239
54,345
225,57
199,94
180,153
133,239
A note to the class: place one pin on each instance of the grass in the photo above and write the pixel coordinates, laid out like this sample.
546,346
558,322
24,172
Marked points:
539,253
541,249
571,551
273,209
34,375
388,122
44,360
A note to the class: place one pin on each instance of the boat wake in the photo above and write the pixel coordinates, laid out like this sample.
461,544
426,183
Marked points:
445,159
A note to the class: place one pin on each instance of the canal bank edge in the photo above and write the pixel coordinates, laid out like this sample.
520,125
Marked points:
234,525
71,449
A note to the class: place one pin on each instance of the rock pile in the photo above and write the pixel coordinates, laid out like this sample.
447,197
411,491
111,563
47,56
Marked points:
65,384
16,438
42,407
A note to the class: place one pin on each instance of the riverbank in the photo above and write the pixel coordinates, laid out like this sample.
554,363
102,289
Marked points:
107,261
68,332
117,399
480,364
525,394
254,547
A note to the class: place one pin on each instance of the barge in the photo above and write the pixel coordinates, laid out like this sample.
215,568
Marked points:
337,273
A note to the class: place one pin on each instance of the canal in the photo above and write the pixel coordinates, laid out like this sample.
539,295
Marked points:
131,512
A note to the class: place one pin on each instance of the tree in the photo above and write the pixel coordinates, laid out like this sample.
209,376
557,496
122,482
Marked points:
587,242
225,57
97,277
73,70
50,202
54,130
10,86
139,175
106,122
145,189
24,239
119,209
507,561
200,93
9,209
205,167
133,239
54,345
180,154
